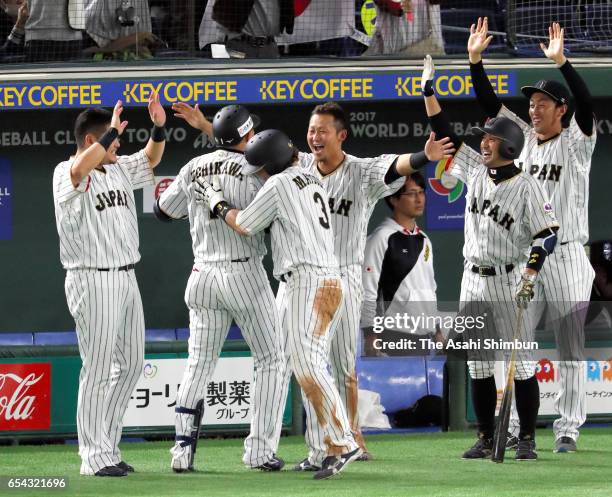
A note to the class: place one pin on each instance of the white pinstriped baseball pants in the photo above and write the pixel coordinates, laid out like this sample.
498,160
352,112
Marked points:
342,357
564,286
494,296
107,310
310,312
340,349
216,293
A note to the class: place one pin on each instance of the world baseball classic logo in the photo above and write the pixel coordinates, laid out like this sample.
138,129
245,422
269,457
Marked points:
25,396
444,184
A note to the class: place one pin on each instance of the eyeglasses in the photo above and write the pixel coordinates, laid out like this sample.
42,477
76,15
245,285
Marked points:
413,194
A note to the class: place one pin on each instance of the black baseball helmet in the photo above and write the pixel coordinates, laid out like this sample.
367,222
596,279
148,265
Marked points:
508,132
231,124
271,150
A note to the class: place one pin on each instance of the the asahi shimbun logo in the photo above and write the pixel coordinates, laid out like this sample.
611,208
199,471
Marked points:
25,396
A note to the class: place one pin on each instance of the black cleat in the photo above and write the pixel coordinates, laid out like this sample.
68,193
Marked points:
511,442
306,465
125,467
332,465
111,471
482,449
274,464
526,450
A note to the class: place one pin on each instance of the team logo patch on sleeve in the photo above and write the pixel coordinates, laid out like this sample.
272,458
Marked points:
548,209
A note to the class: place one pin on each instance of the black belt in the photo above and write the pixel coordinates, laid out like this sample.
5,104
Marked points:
242,259
491,270
122,268
257,41
283,277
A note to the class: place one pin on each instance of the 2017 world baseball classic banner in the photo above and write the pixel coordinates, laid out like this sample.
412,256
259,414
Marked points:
345,86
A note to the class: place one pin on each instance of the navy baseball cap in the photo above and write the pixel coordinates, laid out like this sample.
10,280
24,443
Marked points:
555,90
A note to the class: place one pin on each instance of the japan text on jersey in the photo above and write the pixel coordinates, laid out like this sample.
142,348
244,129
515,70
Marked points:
500,219
561,165
353,190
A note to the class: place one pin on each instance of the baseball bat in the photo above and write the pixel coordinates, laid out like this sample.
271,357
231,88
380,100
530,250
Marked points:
501,432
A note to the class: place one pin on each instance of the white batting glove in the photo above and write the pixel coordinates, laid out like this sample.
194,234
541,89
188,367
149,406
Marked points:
208,194
429,70
524,292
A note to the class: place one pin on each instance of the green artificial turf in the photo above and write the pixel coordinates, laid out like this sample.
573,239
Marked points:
426,464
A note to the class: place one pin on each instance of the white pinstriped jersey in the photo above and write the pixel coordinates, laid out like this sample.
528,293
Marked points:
97,221
562,166
500,220
212,239
296,205
353,190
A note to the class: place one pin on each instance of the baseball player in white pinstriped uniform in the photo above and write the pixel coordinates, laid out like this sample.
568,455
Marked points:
510,228
98,231
227,282
353,185
560,159
295,204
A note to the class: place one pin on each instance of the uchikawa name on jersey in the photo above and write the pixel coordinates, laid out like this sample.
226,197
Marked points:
550,172
506,221
112,198
344,206
219,167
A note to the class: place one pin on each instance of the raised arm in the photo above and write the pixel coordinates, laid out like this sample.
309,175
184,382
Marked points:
193,116
582,96
435,149
438,120
477,43
154,148
87,160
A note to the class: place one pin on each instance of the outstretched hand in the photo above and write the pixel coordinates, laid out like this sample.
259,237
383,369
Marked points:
478,40
427,77
156,110
554,51
116,121
192,115
438,150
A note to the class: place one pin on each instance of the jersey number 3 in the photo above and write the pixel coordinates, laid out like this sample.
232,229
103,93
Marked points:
324,220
